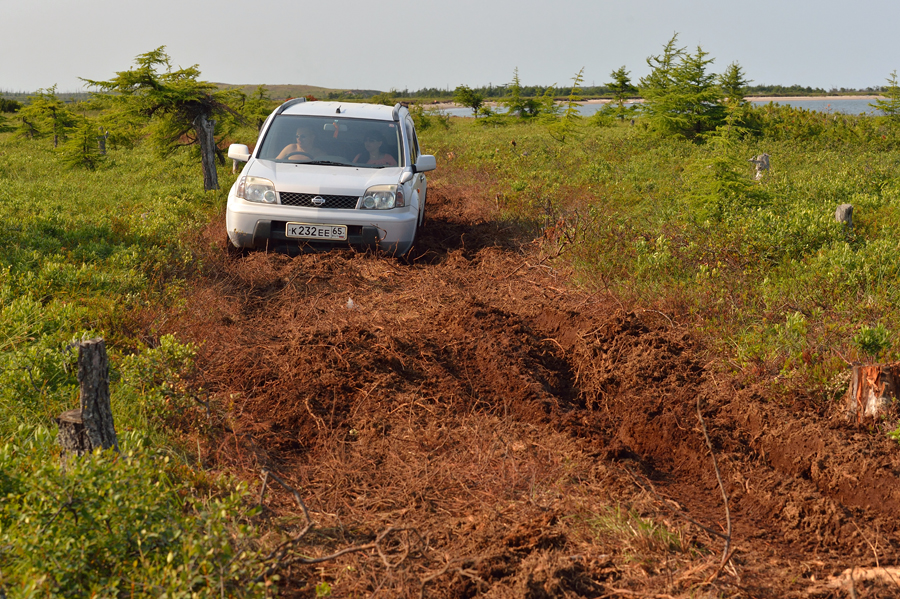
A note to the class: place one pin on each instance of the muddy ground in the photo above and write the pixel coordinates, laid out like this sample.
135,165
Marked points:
495,432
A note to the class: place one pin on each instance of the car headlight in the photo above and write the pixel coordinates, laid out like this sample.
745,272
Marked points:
383,197
256,189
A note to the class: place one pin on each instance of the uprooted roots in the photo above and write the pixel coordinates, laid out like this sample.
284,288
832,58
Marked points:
464,423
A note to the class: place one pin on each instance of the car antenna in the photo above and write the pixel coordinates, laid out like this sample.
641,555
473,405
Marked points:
338,111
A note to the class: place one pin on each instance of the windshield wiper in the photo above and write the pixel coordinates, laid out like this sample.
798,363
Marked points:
326,162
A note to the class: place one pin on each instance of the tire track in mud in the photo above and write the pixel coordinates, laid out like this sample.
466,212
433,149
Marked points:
471,394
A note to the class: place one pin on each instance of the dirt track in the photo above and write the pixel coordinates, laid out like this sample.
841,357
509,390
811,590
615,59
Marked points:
476,401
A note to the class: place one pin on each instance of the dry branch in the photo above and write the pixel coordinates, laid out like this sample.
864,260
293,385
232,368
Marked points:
726,554
281,557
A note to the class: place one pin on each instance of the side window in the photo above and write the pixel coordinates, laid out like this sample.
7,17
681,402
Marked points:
413,141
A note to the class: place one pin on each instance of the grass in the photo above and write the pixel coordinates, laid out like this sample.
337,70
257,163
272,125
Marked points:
762,268
83,252
83,249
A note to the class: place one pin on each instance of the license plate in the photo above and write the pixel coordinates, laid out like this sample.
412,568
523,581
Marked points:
310,231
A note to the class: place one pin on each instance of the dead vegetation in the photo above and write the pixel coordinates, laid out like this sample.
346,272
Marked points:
466,424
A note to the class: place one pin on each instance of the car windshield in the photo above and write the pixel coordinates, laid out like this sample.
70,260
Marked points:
342,142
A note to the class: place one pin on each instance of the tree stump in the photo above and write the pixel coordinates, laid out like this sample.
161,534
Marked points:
91,427
762,165
872,392
844,214
72,436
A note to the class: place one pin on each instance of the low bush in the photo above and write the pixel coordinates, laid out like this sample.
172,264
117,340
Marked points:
110,525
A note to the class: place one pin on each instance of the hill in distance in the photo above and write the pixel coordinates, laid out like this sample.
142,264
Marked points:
285,91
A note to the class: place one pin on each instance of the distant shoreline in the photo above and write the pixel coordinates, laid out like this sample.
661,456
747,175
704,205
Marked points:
768,98
748,98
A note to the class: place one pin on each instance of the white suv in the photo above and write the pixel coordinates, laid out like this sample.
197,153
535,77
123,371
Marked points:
330,174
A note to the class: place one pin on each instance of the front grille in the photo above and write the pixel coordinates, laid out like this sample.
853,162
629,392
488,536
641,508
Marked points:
305,200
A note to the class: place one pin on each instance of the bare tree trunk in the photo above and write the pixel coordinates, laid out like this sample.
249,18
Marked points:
101,141
205,130
91,427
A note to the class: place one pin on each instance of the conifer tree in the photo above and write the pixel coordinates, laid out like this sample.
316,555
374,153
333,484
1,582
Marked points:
890,106
177,104
82,149
44,115
257,107
568,125
516,103
734,85
680,94
622,89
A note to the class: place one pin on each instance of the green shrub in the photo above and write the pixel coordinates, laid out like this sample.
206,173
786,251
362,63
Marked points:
873,341
9,105
111,525
156,376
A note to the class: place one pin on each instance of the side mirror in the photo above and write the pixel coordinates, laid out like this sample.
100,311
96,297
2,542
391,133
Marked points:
426,162
239,152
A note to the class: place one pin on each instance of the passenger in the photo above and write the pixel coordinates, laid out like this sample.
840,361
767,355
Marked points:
304,148
373,142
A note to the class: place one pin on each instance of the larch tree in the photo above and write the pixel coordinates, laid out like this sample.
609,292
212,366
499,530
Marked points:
622,89
180,108
568,125
890,105
517,104
734,85
257,107
46,114
681,95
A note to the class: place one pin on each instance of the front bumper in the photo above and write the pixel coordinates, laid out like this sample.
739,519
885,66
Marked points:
269,233
251,225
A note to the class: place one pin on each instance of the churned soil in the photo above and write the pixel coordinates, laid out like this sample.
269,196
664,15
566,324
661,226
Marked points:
490,430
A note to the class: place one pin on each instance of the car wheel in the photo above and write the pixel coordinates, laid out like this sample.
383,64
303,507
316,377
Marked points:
232,250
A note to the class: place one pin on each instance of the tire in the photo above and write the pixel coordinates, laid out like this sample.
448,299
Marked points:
232,250
421,217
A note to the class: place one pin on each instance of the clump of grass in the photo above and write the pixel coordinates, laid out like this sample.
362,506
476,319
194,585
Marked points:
637,535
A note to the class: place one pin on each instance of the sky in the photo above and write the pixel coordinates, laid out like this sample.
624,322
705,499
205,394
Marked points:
414,44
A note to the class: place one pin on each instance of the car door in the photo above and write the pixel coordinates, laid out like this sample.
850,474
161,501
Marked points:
419,182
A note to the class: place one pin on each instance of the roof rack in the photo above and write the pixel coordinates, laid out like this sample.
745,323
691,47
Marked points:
290,103
396,112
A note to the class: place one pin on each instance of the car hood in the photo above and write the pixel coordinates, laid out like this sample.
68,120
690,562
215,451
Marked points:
322,179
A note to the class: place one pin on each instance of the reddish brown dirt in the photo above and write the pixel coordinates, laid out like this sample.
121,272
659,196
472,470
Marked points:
530,439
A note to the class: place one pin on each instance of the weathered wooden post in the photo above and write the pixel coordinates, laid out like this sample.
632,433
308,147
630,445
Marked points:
872,392
91,427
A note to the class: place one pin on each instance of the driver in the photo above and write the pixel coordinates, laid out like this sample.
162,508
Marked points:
306,144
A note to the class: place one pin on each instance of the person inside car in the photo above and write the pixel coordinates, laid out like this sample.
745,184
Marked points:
373,143
303,149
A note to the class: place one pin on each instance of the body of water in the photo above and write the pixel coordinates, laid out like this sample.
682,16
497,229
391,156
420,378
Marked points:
833,105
